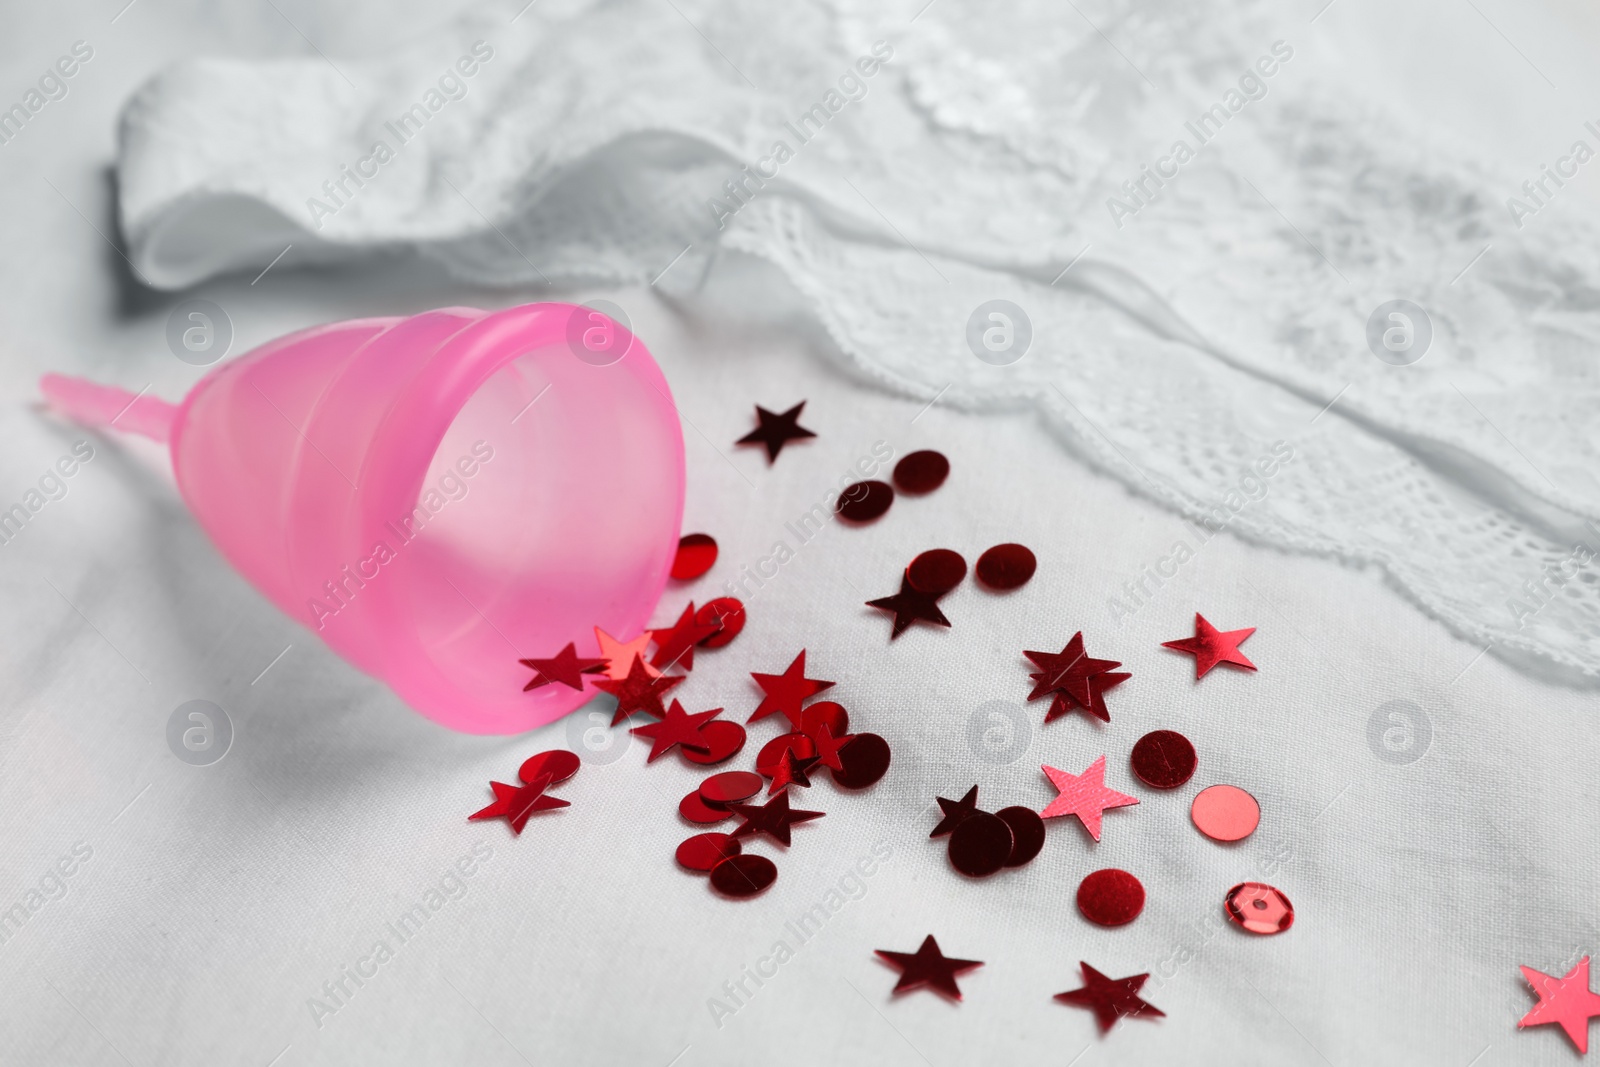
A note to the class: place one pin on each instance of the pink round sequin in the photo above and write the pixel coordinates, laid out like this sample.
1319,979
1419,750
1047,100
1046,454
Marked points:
1225,813
1259,908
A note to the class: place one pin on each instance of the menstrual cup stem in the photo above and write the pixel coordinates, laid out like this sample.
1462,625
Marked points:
93,404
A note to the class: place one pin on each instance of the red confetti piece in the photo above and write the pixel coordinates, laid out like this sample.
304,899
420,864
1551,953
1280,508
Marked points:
730,786
1261,909
830,748
825,713
775,431
791,771
936,571
1210,646
565,667
774,818
704,851
1110,998
921,472
955,812
980,845
1076,680
743,876
619,655
1110,897
558,764
726,613
787,691
722,739
1027,834
910,605
865,758
1163,759
677,727
641,690
1006,567
772,752
677,641
864,502
516,804
1084,795
1225,813
697,552
928,967
694,808
1565,1002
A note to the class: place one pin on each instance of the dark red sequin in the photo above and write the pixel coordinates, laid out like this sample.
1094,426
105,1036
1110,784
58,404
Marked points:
558,763
1163,759
1110,897
824,711
864,501
1005,567
1027,834
936,571
744,875
694,808
696,554
980,844
921,472
771,752
865,758
726,613
730,786
723,739
704,851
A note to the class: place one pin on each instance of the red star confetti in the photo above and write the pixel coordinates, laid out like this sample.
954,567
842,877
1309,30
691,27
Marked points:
677,727
1110,998
787,691
828,747
955,812
910,605
619,655
641,690
1210,646
564,667
1076,679
775,431
1084,795
774,818
517,803
677,641
928,967
1566,1002
791,771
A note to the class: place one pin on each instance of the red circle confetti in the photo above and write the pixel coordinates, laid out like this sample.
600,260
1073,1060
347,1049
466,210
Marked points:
724,739
1225,813
1006,567
1027,834
559,763
726,613
1259,908
704,851
864,501
980,844
696,554
771,753
921,472
824,713
1163,759
1110,897
694,808
743,875
730,787
936,571
865,758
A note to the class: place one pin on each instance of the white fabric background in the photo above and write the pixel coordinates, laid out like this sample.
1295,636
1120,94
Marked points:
217,900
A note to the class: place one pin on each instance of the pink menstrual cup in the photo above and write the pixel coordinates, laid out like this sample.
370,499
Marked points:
437,496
